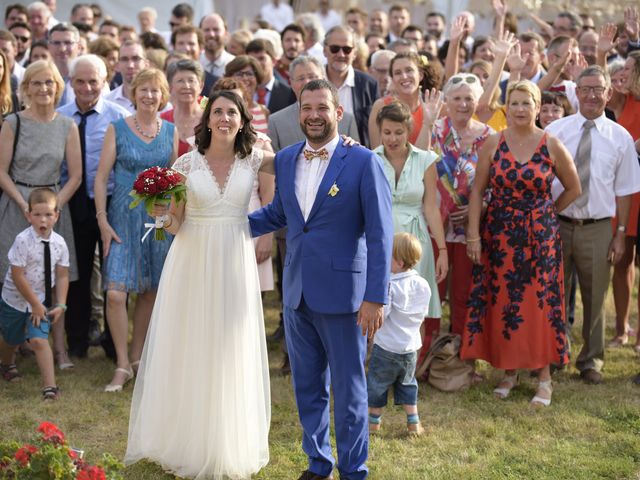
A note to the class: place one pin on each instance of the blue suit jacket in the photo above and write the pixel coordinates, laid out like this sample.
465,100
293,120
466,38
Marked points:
341,255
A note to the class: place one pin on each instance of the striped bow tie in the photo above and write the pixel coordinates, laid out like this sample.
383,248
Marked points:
322,154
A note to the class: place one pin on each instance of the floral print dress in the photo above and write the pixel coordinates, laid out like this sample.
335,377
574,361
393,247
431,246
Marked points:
515,315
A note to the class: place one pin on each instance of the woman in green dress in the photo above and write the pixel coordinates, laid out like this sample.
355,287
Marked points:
411,173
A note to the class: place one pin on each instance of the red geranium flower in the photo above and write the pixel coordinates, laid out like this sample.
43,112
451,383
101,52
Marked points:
91,473
23,455
51,433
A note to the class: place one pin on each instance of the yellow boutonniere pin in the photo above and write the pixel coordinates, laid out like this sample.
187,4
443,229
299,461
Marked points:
333,191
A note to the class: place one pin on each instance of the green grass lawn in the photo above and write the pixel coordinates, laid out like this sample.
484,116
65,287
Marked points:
589,432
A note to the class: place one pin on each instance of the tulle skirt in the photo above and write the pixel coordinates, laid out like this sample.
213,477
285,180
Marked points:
201,405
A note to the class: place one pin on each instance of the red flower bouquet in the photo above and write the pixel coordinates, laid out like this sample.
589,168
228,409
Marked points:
157,185
48,456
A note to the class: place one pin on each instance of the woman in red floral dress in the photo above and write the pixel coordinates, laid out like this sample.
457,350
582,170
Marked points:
515,316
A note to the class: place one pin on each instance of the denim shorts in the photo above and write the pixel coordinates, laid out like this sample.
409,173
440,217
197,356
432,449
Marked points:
387,369
16,327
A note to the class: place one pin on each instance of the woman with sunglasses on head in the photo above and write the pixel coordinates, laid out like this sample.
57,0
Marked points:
516,316
456,138
410,75
247,70
624,270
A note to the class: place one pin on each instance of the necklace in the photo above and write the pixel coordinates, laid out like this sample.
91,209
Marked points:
144,134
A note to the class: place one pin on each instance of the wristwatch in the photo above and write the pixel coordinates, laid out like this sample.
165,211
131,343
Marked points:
622,228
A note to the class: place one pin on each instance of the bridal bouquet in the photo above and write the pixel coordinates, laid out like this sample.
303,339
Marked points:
48,456
157,185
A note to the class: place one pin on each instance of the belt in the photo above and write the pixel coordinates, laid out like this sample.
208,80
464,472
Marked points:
581,222
31,185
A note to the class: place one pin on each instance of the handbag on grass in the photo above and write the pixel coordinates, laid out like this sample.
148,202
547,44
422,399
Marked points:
445,371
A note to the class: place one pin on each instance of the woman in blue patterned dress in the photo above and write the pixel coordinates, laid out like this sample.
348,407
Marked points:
131,145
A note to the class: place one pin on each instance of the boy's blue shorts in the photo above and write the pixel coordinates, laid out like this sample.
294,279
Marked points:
16,327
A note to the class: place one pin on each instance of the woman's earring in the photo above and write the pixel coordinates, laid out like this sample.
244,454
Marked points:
208,130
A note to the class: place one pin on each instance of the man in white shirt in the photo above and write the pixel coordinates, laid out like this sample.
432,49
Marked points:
9,46
399,19
132,60
63,46
214,57
609,175
278,14
328,17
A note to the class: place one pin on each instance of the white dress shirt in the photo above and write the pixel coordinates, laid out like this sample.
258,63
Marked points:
345,92
216,67
614,164
117,96
309,174
279,17
409,297
27,252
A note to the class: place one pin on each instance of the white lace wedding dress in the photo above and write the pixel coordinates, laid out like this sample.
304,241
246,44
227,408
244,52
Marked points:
201,405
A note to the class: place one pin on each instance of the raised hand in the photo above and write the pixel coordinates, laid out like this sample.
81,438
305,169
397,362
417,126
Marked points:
505,43
458,27
431,106
606,37
499,7
631,23
515,60
577,66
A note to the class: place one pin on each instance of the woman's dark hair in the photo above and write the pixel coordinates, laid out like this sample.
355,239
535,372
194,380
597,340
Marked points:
442,51
559,99
478,42
245,138
396,112
153,40
430,74
241,62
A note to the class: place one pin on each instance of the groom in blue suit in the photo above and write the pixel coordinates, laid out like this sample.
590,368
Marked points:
336,203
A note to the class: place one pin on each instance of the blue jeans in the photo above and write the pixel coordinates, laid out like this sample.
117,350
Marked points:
388,369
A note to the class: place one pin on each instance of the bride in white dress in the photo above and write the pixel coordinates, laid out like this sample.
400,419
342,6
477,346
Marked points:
201,404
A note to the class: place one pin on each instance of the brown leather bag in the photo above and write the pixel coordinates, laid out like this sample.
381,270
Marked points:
445,370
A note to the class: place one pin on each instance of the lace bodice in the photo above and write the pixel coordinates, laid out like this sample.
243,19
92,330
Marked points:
210,199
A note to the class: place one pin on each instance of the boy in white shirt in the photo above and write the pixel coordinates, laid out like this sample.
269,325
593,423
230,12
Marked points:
395,346
39,260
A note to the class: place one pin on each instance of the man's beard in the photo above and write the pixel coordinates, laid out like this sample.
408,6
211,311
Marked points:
320,137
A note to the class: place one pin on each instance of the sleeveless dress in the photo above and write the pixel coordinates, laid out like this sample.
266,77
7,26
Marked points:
39,155
515,316
135,266
407,213
200,405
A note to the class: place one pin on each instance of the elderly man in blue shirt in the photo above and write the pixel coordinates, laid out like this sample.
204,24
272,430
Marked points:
93,114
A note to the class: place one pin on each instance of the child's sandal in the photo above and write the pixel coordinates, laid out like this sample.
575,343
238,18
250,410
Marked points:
50,393
10,372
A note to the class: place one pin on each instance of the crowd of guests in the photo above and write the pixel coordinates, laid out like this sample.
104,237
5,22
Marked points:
512,161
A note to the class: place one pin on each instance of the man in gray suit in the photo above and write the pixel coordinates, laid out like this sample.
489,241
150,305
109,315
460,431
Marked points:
284,130
284,126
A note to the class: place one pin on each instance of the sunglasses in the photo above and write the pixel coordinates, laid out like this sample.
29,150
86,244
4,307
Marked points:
22,39
336,48
469,79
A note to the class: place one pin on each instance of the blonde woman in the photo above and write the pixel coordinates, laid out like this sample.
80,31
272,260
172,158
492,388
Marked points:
45,140
131,145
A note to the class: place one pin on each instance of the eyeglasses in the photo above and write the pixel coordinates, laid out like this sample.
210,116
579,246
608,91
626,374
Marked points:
22,39
468,79
62,43
590,90
39,84
244,74
346,49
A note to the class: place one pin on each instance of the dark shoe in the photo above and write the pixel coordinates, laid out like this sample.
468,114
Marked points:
50,393
277,335
77,352
309,475
636,379
10,373
591,376
285,369
107,345
95,335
